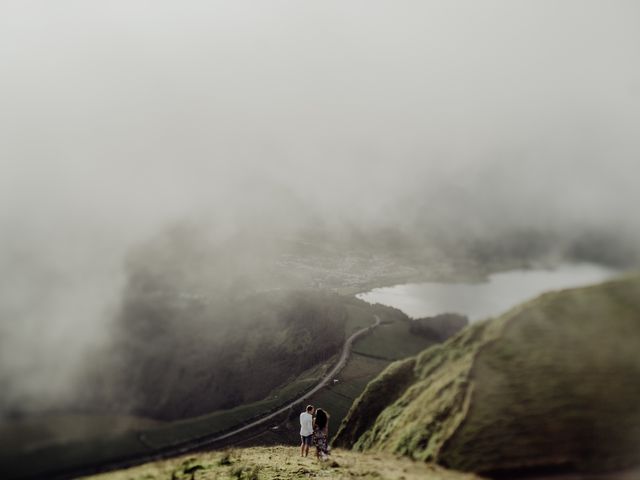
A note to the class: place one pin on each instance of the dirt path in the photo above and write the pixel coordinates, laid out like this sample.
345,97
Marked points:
206,442
346,350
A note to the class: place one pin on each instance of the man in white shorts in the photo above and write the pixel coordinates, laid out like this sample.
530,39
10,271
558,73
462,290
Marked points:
306,430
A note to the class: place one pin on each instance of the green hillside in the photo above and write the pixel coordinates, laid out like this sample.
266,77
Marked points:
553,384
220,354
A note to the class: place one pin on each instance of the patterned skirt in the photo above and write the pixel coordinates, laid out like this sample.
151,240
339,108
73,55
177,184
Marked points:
320,441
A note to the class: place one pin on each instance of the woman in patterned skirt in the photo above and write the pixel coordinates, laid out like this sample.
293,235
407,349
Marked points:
321,433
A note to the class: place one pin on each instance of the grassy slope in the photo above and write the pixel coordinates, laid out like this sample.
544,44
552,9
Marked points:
552,383
392,341
283,463
578,406
416,402
379,393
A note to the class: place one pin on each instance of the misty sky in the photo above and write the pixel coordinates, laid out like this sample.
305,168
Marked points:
118,118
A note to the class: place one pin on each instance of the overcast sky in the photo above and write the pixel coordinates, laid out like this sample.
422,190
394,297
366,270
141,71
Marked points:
120,117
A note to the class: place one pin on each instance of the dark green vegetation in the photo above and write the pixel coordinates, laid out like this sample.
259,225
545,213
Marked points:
284,463
551,385
392,341
176,359
439,327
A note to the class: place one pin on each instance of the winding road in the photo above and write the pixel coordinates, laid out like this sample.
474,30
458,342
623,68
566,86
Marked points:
344,356
196,444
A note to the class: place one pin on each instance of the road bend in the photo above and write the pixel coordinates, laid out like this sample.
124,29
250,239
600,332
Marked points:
344,356
196,444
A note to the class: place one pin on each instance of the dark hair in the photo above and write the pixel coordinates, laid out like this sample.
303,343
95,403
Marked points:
309,408
321,418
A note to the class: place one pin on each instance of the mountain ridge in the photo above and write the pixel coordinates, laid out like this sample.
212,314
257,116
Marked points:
469,408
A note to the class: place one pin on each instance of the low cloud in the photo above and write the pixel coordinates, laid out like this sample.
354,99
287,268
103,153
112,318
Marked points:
121,119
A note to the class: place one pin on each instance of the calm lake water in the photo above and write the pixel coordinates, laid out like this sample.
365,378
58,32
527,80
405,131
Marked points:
481,300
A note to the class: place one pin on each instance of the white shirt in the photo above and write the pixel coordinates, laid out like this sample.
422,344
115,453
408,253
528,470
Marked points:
306,424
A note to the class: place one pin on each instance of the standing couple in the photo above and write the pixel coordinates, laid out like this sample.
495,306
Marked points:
314,426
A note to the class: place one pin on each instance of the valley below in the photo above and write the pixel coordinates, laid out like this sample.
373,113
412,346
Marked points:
200,360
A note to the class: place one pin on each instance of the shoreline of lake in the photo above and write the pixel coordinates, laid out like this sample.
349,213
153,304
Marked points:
478,300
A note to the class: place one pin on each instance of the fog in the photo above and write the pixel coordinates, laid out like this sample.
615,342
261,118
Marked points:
120,119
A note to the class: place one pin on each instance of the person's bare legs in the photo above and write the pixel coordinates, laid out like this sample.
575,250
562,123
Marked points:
304,448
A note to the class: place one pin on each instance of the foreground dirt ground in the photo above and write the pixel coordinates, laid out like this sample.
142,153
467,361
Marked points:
283,463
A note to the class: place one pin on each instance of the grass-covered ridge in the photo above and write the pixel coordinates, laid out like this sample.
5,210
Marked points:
284,463
429,389
551,384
